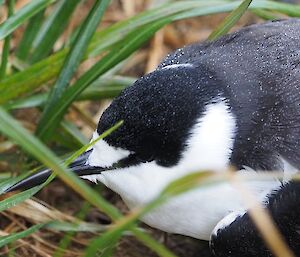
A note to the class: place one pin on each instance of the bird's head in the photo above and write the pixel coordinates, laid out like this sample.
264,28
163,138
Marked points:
176,116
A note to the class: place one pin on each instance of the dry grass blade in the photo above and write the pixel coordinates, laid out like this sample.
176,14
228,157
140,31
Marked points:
37,212
262,220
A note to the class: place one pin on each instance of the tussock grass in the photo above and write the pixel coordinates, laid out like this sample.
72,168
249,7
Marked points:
54,66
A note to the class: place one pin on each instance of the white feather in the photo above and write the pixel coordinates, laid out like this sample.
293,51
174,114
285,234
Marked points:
195,213
211,140
225,222
104,155
174,66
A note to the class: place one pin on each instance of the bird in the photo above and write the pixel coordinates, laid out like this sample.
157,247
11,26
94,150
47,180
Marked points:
231,102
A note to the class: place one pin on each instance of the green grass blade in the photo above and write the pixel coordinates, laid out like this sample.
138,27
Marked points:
76,227
102,88
31,78
15,85
71,129
6,45
90,144
32,29
98,245
266,15
68,137
114,33
52,28
109,251
106,87
22,15
67,239
6,183
18,198
230,20
132,42
71,63
225,6
154,245
28,142
47,69
179,186
22,196
4,240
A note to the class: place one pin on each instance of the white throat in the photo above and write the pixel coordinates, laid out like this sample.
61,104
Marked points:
208,147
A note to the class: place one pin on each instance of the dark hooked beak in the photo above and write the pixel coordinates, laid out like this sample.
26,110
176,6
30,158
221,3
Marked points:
79,167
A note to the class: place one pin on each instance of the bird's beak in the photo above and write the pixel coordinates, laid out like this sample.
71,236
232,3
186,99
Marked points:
79,167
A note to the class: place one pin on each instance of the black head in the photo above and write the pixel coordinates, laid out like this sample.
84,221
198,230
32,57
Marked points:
158,111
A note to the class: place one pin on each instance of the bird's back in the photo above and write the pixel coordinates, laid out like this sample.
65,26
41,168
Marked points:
259,70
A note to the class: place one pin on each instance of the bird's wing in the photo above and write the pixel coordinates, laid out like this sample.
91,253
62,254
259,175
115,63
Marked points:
236,235
249,38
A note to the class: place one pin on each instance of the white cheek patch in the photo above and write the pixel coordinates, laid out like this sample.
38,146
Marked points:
103,155
211,140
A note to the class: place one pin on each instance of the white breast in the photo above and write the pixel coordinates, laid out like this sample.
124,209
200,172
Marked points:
194,213
197,212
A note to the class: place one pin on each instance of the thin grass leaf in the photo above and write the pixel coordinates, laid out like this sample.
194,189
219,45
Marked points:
22,15
22,196
12,250
230,20
4,175
157,247
291,10
76,227
66,138
28,142
284,8
189,182
11,181
29,102
91,93
101,88
132,42
72,130
15,236
89,145
6,45
52,29
67,239
32,29
115,33
109,251
266,15
71,63
99,244
18,198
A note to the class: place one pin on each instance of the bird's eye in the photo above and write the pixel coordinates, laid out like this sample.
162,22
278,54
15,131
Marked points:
134,159
144,158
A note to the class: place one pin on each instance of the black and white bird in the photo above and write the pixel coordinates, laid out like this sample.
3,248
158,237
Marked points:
231,102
